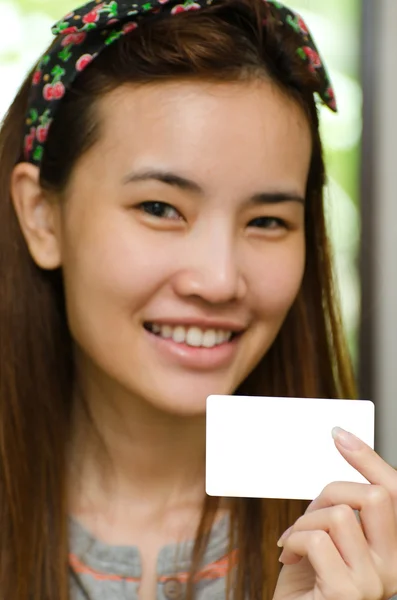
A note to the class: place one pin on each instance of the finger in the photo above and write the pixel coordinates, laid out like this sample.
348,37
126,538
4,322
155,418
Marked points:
365,460
333,577
321,552
342,526
376,508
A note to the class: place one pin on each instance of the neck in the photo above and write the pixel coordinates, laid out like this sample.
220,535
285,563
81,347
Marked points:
125,450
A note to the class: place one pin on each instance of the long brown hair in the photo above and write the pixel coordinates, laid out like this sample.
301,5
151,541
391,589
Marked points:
225,42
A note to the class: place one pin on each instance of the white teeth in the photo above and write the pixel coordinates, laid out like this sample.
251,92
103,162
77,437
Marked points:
166,331
179,334
192,336
220,336
209,339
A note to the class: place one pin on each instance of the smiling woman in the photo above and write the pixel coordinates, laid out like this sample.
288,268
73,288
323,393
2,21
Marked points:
192,243
166,224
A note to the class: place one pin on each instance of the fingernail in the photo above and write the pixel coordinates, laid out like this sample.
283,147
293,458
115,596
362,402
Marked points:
346,439
282,557
282,539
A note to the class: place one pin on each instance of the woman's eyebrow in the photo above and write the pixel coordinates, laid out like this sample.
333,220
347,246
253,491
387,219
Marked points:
167,177
276,198
183,183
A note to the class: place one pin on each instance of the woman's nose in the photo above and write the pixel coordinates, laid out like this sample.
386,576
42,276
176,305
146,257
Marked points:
211,270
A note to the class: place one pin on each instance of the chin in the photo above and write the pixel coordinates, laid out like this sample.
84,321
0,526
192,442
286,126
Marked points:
186,400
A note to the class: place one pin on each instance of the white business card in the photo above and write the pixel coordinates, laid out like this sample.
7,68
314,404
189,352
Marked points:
265,447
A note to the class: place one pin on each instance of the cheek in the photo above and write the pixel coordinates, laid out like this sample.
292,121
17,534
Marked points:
276,282
107,278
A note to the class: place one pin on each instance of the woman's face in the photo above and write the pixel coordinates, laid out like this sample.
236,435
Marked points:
182,237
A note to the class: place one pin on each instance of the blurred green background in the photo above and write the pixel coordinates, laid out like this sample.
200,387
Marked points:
336,28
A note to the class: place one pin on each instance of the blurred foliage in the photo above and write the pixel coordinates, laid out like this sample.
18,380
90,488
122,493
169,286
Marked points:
336,28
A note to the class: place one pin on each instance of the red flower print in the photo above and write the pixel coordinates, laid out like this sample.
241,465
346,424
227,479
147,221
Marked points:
54,91
331,98
59,90
330,93
314,59
29,140
74,39
179,8
130,27
36,78
48,92
83,62
42,133
91,17
69,30
302,26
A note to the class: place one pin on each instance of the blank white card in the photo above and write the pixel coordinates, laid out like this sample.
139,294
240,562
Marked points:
261,447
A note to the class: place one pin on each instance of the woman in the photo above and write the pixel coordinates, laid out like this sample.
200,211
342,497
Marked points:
163,239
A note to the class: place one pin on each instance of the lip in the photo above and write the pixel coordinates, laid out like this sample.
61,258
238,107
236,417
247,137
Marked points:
201,323
191,357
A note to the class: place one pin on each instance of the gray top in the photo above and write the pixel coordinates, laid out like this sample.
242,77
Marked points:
103,572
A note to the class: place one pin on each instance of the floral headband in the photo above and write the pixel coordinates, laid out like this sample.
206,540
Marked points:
82,35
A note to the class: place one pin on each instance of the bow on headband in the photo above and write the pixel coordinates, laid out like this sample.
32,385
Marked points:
82,34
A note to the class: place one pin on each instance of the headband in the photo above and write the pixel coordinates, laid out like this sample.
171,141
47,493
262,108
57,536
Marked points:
82,35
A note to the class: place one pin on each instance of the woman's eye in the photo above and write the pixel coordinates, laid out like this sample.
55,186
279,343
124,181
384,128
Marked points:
268,223
161,210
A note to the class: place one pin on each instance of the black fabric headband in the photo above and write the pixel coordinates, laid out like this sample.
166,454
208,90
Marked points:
82,35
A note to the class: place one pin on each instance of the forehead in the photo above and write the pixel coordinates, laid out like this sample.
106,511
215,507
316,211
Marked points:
230,132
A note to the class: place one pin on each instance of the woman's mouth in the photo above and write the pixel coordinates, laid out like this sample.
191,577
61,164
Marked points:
191,335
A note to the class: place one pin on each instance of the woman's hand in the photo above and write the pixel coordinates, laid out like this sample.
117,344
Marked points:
330,553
